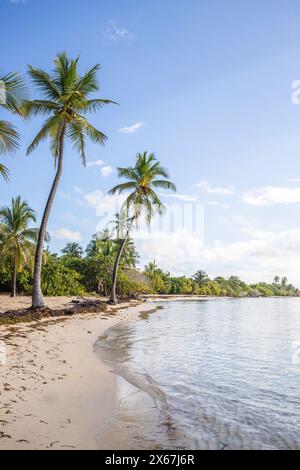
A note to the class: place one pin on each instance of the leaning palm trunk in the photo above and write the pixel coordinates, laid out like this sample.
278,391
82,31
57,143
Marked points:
14,278
37,295
113,300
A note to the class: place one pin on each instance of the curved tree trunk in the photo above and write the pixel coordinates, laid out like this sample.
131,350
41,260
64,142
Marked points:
37,295
14,278
113,295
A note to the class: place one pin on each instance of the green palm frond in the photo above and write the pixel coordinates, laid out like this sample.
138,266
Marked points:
13,92
65,98
4,172
142,182
77,137
9,138
50,128
44,83
164,184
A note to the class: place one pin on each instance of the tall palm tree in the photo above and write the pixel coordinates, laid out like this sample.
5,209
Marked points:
17,239
73,250
66,99
141,180
12,94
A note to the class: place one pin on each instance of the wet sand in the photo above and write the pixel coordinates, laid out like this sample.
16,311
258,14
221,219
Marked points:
55,392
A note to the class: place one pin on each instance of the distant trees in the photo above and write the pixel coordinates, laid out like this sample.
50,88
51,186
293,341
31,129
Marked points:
72,250
200,277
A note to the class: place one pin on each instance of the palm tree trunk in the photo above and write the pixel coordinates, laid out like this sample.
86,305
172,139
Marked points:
14,278
37,295
113,300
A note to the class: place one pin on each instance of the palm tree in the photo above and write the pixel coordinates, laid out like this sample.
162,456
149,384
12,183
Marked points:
200,277
66,100
276,279
72,250
142,180
12,94
17,239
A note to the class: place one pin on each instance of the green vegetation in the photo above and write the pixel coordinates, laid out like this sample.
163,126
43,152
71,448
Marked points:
78,272
12,94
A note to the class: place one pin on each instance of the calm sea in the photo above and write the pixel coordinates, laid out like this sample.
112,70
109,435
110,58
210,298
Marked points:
209,374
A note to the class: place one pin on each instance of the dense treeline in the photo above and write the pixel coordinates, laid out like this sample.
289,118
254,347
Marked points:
78,272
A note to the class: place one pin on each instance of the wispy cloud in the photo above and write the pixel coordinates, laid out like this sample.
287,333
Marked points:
207,188
106,171
217,204
18,2
104,204
181,197
66,234
95,163
131,129
115,33
271,195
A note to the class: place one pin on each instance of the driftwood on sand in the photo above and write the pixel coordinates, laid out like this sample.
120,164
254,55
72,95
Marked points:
31,314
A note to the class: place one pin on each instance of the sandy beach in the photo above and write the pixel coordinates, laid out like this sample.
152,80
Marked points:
54,390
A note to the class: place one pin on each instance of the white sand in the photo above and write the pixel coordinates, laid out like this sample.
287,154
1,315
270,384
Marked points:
54,390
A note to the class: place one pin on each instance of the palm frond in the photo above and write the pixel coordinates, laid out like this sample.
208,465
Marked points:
9,137
4,172
95,105
39,108
50,128
44,82
164,184
77,137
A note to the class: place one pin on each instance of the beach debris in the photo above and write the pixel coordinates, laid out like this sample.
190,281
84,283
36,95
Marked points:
54,442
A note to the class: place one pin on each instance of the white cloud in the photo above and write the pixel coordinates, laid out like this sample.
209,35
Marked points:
106,171
104,203
272,195
131,129
95,163
207,188
18,2
217,204
181,197
115,33
66,234
295,180
260,257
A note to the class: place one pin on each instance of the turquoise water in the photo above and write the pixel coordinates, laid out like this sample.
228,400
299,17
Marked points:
211,374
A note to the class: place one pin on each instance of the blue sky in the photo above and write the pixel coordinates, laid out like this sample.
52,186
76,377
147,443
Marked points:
206,86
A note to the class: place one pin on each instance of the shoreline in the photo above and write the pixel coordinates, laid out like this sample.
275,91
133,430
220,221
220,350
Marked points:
54,390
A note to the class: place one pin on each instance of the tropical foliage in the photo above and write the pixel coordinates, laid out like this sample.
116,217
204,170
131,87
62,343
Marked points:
17,239
12,94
